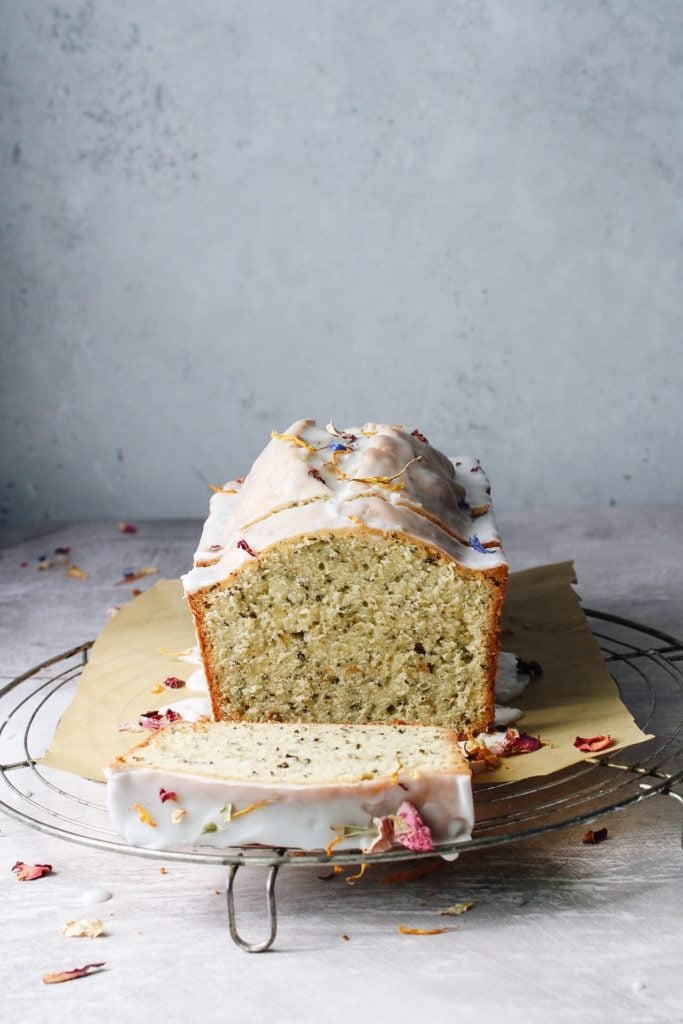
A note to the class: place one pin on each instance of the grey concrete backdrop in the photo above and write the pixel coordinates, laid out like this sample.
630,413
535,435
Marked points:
219,216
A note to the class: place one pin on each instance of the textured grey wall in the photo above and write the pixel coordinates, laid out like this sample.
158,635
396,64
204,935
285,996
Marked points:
218,216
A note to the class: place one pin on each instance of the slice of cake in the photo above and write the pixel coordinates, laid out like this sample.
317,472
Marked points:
306,787
353,576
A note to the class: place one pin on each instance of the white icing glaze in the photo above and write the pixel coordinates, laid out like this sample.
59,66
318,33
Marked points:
314,519
297,491
221,510
97,895
197,681
190,708
509,682
191,655
304,817
506,716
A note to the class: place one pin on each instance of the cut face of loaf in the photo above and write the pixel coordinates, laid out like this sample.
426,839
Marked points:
362,597
231,784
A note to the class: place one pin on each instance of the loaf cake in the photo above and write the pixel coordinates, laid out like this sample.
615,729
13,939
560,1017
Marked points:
353,576
306,787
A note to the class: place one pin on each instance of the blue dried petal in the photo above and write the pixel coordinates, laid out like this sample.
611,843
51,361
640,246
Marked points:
336,447
478,546
464,503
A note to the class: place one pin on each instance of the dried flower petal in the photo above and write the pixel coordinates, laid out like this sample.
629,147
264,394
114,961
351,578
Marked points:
247,810
143,815
167,794
242,544
129,727
331,429
477,545
593,744
156,720
331,845
174,683
592,837
410,830
29,872
293,438
419,436
480,756
83,929
77,972
76,573
518,743
137,574
386,481
385,836
127,528
159,688
423,931
352,879
456,909
177,815
224,490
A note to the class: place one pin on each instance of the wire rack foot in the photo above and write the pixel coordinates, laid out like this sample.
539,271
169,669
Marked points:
253,947
678,797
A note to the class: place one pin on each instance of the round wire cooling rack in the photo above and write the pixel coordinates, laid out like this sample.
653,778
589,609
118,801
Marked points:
646,664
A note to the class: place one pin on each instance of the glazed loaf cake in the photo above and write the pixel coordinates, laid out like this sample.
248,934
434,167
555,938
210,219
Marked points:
354,576
232,784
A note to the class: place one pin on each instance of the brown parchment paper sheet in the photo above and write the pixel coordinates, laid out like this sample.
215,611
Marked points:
575,696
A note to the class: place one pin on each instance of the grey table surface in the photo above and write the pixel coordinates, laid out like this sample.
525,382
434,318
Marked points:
560,931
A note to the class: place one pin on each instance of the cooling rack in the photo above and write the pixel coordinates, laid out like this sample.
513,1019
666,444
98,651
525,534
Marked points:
646,664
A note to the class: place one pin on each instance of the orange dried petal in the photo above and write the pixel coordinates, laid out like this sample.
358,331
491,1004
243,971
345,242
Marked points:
404,930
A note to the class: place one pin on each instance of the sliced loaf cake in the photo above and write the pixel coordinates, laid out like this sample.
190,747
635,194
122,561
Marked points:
353,576
284,785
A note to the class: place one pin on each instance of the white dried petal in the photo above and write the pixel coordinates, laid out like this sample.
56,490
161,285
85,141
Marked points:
83,928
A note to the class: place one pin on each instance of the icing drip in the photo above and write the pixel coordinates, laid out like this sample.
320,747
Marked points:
385,478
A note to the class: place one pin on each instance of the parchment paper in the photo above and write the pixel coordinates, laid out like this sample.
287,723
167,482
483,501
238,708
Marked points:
575,696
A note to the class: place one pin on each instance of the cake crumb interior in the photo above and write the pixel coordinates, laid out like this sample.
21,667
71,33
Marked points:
353,627
289,753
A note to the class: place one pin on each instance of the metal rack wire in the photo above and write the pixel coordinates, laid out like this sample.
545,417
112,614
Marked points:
646,664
